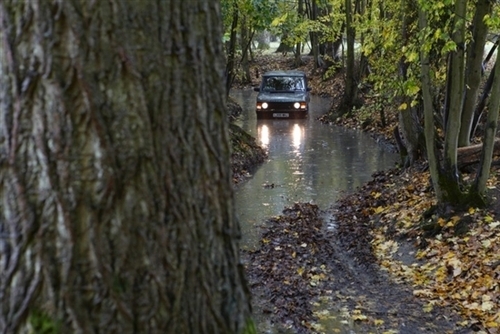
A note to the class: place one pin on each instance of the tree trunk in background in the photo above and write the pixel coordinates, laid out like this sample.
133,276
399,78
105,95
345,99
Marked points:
483,100
350,98
116,206
298,56
231,50
245,40
479,187
475,51
314,36
408,119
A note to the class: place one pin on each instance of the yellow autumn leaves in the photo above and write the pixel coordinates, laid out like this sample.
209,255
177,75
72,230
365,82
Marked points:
458,271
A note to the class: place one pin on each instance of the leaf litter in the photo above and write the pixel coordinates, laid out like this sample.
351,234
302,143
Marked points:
306,276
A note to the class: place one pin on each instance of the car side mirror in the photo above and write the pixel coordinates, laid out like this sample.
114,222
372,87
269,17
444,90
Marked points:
257,89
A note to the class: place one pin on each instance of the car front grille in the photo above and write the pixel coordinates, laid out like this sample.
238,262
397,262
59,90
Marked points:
281,106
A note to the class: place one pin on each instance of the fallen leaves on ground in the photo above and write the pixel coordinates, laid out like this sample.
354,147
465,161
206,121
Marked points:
454,263
290,265
309,276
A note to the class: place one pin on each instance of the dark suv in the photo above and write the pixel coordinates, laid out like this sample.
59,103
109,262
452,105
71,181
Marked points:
283,94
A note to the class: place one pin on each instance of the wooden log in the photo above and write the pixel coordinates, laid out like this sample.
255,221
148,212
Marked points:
471,155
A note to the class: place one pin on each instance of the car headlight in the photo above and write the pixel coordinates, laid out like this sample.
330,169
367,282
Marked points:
296,105
265,105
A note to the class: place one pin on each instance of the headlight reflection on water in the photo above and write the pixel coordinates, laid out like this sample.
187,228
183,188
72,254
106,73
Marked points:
293,133
263,133
297,135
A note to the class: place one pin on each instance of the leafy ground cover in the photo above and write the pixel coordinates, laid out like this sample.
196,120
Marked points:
450,261
390,264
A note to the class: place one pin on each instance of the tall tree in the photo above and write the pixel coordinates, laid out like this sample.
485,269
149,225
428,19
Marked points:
116,211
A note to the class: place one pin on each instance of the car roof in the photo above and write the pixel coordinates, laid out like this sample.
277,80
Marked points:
284,73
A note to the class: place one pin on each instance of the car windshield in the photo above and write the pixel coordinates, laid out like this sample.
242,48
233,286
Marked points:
273,84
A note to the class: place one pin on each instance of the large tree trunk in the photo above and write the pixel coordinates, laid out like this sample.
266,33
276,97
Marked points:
116,204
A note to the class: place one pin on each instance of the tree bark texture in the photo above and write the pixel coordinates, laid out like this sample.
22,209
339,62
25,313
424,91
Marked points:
471,155
455,92
408,119
231,51
116,204
489,136
245,40
350,98
429,129
475,51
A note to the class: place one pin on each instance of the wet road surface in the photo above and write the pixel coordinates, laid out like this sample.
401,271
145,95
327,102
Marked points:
308,162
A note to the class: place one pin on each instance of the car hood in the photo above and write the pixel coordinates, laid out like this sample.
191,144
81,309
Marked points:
282,97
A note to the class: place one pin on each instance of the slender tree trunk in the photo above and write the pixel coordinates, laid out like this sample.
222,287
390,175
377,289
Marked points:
483,174
452,126
337,44
350,98
117,212
245,40
231,51
298,57
430,136
475,51
481,105
408,118
314,36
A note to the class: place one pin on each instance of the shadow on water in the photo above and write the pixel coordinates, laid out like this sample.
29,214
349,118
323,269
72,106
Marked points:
308,162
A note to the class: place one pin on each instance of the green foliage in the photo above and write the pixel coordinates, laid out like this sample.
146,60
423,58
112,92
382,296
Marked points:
258,14
250,327
389,49
261,13
330,72
385,48
493,20
41,323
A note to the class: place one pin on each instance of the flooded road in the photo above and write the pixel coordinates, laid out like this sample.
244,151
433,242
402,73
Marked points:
308,162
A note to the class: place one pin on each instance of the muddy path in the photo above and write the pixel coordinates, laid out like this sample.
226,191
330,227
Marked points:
312,273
